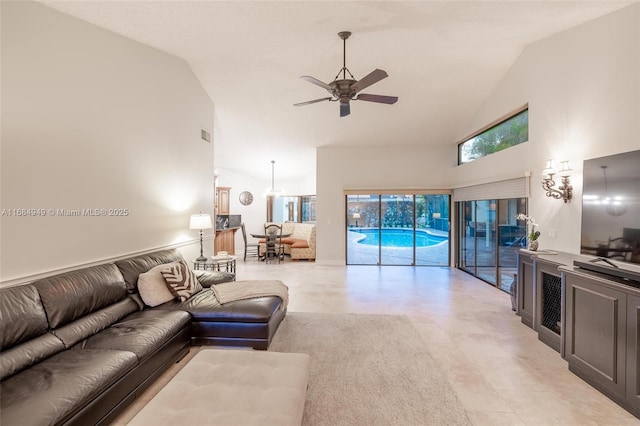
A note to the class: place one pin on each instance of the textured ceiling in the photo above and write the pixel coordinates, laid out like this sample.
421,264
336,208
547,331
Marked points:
443,59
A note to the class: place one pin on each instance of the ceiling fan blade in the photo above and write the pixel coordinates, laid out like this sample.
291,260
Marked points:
378,98
345,109
312,102
317,82
369,79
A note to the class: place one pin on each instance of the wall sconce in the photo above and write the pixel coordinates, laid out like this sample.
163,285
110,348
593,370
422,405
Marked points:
563,192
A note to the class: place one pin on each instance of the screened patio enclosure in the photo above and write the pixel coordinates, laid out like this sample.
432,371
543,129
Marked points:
398,229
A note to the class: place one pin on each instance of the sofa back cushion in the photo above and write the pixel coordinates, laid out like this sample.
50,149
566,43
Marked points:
22,315
24,338
288,227
304,231
94,322
132,267
72,295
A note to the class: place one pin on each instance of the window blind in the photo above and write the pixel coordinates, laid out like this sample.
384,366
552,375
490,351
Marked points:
512,188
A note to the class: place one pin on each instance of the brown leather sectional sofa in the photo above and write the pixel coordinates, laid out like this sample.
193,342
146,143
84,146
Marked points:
77,348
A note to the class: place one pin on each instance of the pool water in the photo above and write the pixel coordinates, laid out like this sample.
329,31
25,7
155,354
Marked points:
399,238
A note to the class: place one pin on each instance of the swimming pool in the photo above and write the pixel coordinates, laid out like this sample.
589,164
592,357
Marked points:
398,238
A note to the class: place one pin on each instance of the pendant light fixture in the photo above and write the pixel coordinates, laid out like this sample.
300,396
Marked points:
273,192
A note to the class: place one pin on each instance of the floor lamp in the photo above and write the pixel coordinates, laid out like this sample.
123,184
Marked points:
200,221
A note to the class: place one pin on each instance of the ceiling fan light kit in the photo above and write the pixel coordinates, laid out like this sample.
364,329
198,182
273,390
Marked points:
346,89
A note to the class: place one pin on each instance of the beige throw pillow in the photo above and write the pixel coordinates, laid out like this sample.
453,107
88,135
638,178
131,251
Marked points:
153,288
181,280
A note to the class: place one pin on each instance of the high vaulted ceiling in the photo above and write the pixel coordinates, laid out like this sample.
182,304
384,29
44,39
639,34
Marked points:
443,59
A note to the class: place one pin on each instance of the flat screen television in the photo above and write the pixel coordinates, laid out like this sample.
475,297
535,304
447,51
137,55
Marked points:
611,210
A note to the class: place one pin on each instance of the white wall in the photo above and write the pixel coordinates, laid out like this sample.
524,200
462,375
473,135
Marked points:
393,168
93,120
583,90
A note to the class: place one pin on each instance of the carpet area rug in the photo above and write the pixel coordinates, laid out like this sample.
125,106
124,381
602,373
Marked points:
368,370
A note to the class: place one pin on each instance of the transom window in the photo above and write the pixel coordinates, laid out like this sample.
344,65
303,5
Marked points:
501,134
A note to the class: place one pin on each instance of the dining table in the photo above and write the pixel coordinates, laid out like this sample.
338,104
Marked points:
264,236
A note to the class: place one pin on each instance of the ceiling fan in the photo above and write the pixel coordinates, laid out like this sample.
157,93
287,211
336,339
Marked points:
348,89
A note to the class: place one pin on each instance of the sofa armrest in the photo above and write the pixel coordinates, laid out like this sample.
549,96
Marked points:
209,278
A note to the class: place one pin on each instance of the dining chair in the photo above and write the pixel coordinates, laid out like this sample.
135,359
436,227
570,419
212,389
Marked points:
273,245
250,249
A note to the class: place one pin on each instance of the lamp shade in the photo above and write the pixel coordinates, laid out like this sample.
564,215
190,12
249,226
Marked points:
200,221
565,168
549,169
356,215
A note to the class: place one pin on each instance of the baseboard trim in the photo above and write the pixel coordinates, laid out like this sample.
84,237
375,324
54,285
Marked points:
330,262
40,275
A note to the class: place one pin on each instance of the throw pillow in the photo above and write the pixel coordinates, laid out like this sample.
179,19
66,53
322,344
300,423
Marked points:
181,280
152,287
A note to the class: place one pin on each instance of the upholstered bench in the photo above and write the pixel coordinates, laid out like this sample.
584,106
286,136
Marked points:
300,244
241,387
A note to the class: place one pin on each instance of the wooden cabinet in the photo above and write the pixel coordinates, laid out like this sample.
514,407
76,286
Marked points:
222,199
526,289
225,241
633,352
601,338
541,294
548,303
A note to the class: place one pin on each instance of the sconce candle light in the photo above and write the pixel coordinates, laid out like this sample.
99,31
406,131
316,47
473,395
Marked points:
565,190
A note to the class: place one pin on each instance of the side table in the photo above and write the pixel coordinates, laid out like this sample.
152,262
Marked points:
217,263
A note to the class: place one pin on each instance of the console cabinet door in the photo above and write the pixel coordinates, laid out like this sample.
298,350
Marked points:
548,303
596,334
633,352
526,289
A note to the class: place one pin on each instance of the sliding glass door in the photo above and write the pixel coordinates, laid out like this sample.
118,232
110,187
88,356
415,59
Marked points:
489,237
397,229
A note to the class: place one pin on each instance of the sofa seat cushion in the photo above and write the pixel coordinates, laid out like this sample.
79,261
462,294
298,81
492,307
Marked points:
205,307
142,333
22,356
59,386
288,240
300,244
93,323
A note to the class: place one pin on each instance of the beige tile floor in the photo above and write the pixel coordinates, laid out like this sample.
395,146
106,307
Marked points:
501,372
